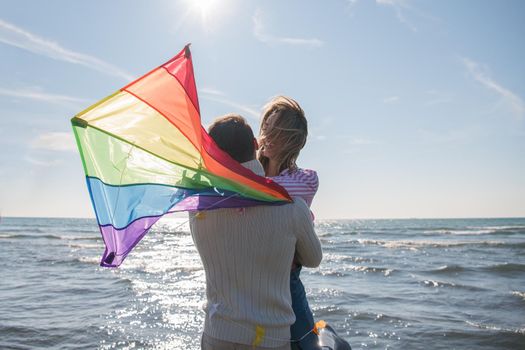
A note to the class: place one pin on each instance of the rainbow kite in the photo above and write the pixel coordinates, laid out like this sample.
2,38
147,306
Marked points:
146,154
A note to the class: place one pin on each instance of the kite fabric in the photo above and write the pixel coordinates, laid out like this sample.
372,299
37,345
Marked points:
146,154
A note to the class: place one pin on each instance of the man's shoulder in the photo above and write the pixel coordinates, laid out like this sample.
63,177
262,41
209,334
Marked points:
296,208
289,212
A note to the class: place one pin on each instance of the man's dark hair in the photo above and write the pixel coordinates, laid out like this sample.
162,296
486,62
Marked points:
234,136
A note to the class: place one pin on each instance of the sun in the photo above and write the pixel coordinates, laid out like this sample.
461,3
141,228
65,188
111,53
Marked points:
211,14
204,8
205,5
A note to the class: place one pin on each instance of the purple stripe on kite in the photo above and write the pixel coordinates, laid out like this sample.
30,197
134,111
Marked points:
120,242
197,202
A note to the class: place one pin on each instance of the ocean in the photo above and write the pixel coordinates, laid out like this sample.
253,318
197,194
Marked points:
383,284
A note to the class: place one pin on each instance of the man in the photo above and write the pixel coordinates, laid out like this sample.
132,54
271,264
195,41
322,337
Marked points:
247,255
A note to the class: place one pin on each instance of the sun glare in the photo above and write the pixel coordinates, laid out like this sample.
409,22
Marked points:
205,8
210,12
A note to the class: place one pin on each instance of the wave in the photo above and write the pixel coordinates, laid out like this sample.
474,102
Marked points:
423,228
80,260
329,273
448,269
326,234
23,229
492,327
86,245
415,245
20,332
501,268
341,272
77,238
444,284
366,269
28,236
502,227
87,260
477,230
339,258
461,232
506,267
180,271
48,236
380,317
330,310
518,294
323,293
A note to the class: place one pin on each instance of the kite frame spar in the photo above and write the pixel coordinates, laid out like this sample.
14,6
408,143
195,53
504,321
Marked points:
146,154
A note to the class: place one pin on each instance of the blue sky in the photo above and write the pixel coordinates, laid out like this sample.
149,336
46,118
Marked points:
415,108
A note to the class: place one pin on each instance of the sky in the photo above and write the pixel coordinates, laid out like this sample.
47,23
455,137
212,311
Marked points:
415,108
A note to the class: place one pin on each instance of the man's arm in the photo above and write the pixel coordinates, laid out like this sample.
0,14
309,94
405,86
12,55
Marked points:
308,248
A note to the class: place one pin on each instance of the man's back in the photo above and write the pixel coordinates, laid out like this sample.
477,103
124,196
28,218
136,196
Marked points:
247,255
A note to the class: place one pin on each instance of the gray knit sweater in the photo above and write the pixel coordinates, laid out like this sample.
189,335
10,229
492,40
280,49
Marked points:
247,255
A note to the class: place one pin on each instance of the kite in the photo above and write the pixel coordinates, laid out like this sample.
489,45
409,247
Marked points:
146,154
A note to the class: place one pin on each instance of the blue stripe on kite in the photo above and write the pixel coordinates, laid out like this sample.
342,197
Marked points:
121,205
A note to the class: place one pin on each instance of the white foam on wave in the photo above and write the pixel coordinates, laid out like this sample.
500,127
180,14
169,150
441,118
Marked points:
85,246
506,227
358,268
444,284
477,232
493,327
448,269
518,294
432,283
89,260
339,258
415,245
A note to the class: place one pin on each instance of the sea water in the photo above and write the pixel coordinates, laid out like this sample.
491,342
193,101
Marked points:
382,284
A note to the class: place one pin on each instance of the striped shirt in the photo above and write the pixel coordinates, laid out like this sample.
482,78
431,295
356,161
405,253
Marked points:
301,183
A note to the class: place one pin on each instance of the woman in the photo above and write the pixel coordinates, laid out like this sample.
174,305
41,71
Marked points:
282,135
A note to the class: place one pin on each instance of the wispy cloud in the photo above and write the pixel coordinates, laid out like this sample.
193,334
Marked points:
23,39
402,8
55,141
218,96
350,6
351,3
211,91
480,74
38,95
399,6
391,99
259,31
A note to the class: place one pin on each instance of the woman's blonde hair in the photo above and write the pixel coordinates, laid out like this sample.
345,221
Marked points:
288,128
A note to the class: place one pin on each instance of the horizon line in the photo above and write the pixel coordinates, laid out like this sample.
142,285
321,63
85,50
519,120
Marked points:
355,218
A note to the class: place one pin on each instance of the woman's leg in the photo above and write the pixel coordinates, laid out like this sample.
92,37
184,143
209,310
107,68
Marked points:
304,319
